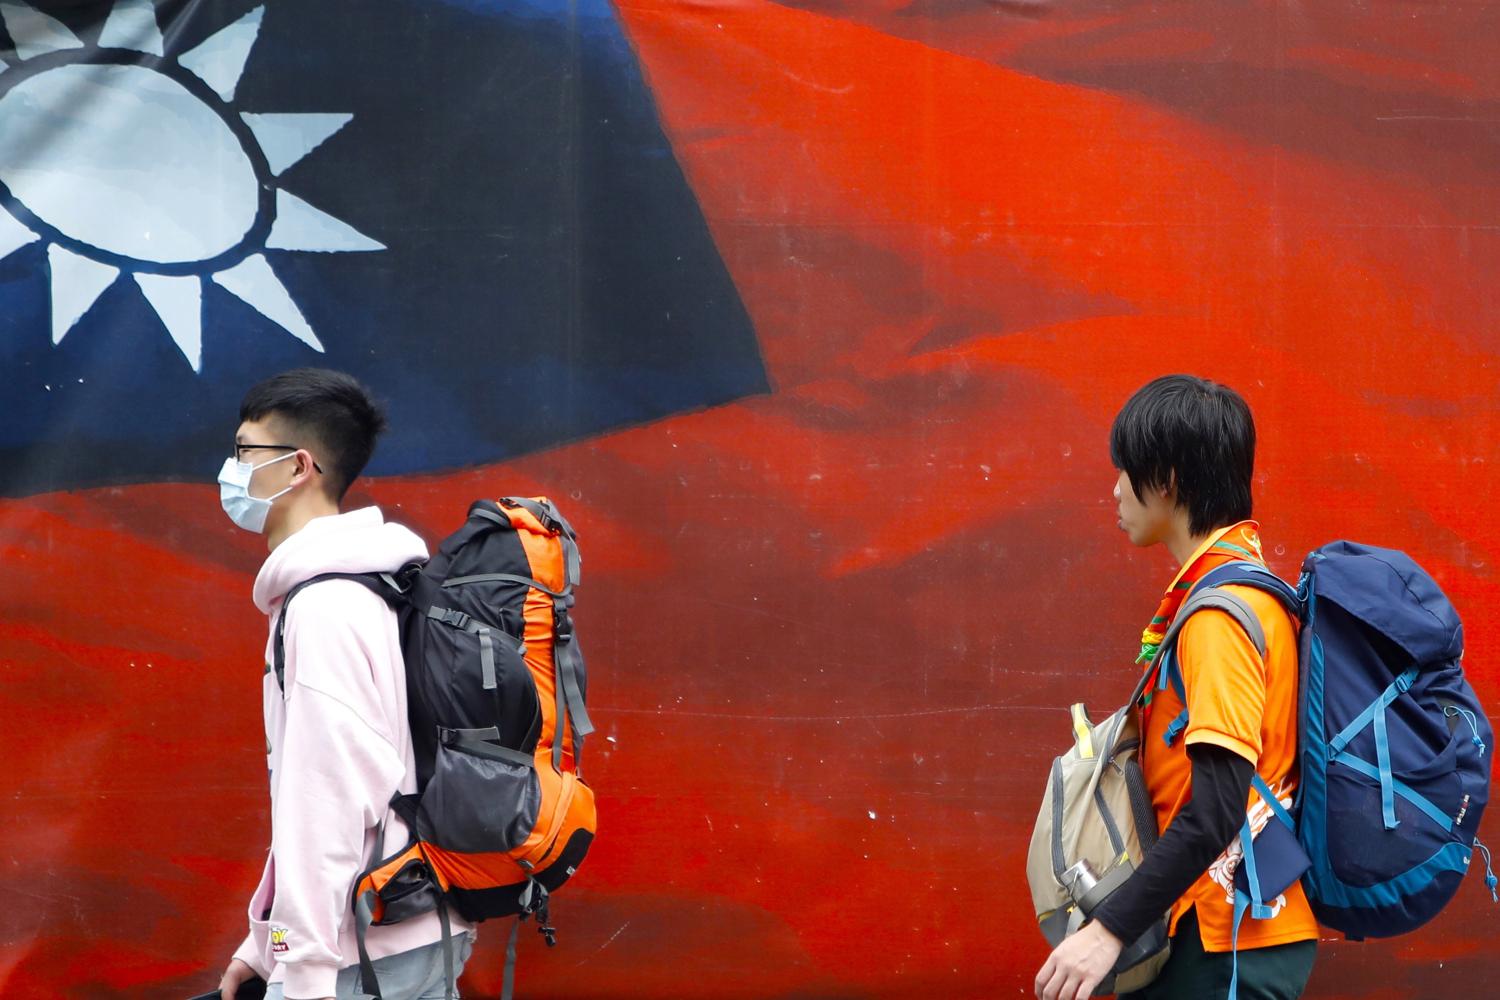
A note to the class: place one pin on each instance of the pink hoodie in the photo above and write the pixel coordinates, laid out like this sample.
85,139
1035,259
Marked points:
339,746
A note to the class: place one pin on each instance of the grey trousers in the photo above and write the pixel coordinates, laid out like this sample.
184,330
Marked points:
410,975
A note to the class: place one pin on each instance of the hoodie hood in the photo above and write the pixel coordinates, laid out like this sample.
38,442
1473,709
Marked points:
361,541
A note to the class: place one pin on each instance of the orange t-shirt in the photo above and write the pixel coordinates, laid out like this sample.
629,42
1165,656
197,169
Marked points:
1246,705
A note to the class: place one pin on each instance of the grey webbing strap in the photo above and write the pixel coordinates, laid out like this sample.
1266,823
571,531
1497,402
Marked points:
543,512
466,622
449,979
1106,751
449,735
1140,805
459,581
508,981
363,916
536,510
476,742
1058,864
1111,828
551,519
1112,880
490,515
573,560
560,717
1220,600
568,658
448,616
487,659
368,981
1211,597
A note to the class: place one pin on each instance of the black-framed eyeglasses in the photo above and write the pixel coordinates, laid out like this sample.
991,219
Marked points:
238,448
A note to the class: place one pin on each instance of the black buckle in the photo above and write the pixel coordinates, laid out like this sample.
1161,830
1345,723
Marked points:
449,616
402,580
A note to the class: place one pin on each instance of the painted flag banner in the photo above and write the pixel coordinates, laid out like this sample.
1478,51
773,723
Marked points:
256,187
812,317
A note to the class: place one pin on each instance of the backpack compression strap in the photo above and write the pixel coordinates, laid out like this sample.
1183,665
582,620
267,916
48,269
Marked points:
567,658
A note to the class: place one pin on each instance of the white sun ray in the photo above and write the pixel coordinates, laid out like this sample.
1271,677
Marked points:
34,33
13,235
4,66
77,282
253,281
299,226
220,59
286,138
78,279
179,303
132,25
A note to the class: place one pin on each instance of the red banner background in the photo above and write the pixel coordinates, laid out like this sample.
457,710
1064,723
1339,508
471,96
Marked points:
832,631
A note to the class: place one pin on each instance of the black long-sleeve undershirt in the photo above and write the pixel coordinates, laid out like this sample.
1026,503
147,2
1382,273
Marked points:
1197,836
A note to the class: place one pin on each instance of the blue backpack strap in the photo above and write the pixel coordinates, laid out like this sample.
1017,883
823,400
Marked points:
1398,787
1374,716
1250,574
1394,690
1269,798
1244,901
1252,901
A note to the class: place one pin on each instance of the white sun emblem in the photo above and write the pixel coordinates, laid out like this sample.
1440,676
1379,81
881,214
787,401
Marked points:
124,160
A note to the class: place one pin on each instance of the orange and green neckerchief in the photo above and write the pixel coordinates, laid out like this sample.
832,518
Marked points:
1238,542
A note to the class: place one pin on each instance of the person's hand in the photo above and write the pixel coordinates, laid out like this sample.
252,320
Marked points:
237,974
1079,964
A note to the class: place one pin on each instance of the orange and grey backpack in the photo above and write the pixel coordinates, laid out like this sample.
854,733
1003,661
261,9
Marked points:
495,690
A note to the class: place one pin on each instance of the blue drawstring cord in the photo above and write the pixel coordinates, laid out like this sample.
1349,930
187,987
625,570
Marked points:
1468,716
1489,875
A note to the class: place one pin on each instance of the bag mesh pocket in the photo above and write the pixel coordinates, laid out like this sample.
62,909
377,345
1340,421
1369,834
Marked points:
479,804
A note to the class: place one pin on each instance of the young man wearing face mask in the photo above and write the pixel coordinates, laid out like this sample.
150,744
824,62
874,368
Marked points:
1184,448
338,742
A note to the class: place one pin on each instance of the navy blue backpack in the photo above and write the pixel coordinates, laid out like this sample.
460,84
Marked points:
1393,745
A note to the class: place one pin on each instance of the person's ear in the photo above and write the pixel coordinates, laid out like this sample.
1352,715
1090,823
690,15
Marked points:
303,467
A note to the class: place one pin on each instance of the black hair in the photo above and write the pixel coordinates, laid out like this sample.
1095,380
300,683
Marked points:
329,413
1196,435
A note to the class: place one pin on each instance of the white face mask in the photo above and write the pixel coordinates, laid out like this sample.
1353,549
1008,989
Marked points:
234,493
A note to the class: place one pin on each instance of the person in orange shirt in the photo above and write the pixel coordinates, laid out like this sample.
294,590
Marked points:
1185,451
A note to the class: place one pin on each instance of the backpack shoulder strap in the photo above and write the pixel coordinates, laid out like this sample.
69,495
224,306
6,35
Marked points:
1219,600
1248,574
389,587
1209,592
1200,598
1165,666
